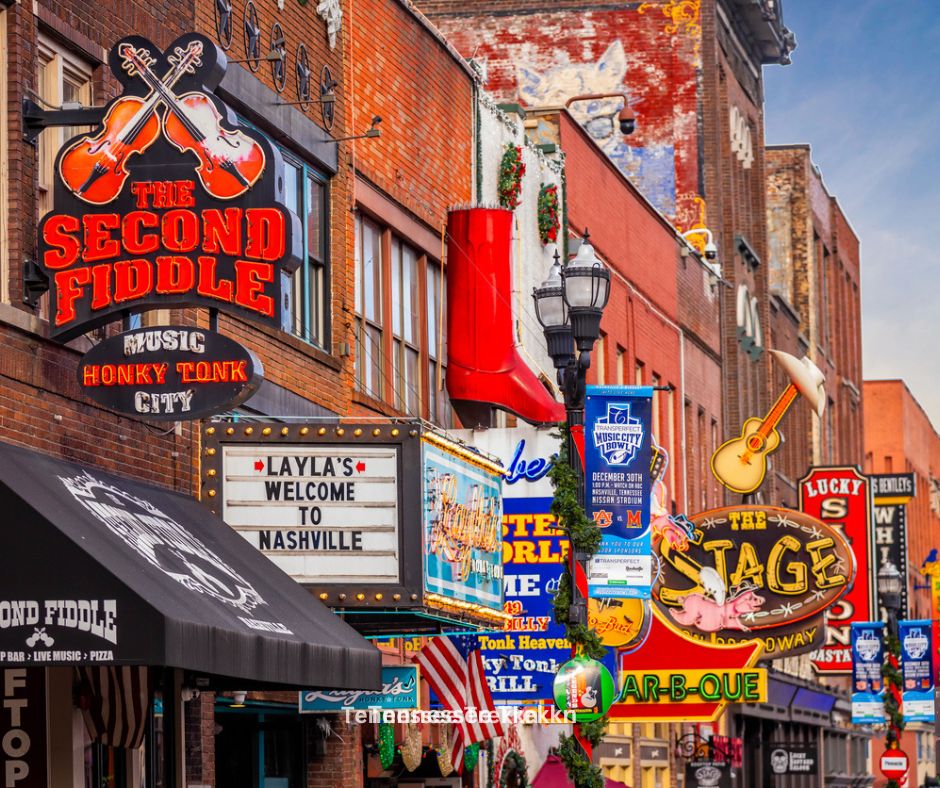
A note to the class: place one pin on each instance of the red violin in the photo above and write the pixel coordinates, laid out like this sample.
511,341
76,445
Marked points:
229,161
94,167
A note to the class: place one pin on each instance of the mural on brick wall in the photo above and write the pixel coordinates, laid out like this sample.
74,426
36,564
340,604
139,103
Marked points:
651,167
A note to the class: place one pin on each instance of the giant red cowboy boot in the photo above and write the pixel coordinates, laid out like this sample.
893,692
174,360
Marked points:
484,369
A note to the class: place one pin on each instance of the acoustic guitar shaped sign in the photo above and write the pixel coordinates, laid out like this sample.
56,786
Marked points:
170,202
740,464
751,572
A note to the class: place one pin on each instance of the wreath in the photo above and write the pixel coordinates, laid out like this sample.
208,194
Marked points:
511,170
514,773
548,214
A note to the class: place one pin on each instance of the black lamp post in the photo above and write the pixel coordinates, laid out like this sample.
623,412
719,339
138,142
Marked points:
569,305
889,592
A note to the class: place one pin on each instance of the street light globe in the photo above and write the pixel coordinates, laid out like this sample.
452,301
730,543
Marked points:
586,279
889,579
550,307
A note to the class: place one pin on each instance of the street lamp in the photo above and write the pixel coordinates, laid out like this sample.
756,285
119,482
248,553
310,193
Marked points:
889,592
569,305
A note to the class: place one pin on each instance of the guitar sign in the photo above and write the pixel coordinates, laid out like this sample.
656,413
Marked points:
740,464
169,203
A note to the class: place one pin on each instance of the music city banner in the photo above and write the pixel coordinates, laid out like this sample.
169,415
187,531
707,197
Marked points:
916,638
867,682
617,447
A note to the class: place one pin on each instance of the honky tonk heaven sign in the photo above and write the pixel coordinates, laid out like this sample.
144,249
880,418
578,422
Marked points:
753,573
169,202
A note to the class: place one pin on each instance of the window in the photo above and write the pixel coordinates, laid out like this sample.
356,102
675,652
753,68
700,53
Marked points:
405,329
61,78
305,311
601,359
369,352
621,366
399,325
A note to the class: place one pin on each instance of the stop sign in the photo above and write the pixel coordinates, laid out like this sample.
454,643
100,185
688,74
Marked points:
894,764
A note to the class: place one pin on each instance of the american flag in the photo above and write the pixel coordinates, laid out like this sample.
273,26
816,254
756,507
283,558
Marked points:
453,667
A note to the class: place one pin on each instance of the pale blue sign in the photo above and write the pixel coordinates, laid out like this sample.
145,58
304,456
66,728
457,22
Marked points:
399,691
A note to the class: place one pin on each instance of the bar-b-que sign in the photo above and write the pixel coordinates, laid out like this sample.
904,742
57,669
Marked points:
169,203
750,572
169,373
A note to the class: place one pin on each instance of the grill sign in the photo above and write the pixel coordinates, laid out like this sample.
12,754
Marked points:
169,373
169,202
748,572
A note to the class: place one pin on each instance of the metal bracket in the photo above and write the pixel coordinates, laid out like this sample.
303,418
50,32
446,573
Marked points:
35,118
35,282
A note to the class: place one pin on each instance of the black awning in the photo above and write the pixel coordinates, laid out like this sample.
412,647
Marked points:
98,569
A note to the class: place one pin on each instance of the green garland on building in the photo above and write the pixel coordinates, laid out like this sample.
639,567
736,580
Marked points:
511,170
584,537
891,671
514,770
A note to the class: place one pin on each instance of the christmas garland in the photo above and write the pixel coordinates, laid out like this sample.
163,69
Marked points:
511,170
514,764
470,756
386,745
548,214
584,537
891,671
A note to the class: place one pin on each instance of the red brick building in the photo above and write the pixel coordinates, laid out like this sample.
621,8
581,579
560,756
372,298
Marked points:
815,275
691,72
901,439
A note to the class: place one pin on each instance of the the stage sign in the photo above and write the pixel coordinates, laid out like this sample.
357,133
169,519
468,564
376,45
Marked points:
841,498
917,674
169,202
169,373
753,573
400,690
867,682
617,448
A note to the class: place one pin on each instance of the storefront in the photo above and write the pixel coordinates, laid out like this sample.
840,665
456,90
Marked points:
800,738
124,601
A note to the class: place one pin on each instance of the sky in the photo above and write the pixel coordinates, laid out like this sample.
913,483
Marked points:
864,91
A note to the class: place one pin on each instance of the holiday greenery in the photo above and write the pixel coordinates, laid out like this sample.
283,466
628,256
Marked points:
513,774
470,756
891,671
511,170
386,745
548,214
585,538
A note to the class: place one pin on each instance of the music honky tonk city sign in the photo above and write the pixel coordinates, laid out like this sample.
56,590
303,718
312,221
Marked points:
169,202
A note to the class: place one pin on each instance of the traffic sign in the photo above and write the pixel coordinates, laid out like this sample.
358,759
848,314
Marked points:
894,764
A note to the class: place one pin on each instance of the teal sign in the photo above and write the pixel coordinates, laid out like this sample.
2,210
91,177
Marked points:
399,691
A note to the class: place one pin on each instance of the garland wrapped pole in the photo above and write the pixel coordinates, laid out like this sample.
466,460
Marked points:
889,585
570,606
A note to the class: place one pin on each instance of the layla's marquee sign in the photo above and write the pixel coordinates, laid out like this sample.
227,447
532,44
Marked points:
169,373
399,691
841,498
754,573
169,203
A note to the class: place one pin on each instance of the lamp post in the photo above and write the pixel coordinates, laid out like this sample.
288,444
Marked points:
569,305
889,592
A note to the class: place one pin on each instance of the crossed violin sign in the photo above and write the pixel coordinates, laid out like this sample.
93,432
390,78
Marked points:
94,167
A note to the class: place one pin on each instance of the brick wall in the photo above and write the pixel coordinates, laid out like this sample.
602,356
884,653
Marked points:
199,735
341,766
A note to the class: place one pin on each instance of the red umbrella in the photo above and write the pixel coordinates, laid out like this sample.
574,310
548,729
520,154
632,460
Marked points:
554,775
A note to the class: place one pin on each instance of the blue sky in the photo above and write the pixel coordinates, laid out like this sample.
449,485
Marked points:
864,91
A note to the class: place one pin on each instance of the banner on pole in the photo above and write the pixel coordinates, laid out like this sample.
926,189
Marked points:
617,446
867,684
916,638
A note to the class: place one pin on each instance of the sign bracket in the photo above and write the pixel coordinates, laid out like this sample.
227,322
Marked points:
35,118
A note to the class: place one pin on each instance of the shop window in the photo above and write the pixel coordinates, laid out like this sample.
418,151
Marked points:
61,78
305,313
405,328
369,353
400,322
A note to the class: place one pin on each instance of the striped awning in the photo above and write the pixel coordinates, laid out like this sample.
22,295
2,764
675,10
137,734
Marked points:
115,702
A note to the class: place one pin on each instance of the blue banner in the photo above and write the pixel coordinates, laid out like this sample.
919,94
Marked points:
462,517
917,670
399,691
617,447
867,683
